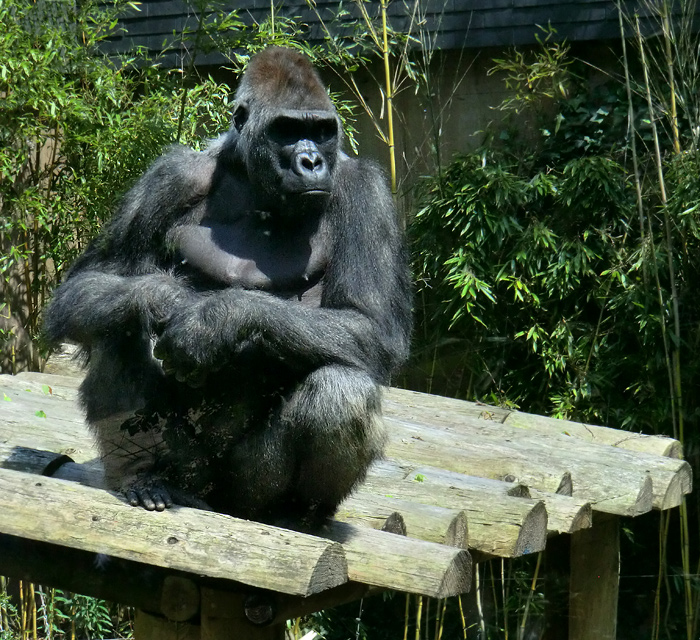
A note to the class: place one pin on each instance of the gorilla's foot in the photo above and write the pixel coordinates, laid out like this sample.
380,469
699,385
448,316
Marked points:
153,494
149,492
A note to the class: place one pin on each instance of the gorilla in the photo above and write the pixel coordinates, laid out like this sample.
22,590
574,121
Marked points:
240,312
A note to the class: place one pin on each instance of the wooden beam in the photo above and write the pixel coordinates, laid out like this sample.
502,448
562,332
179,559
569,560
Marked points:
190,540
499,524
613,480
564,513
595,578
391,561
423,521
416,406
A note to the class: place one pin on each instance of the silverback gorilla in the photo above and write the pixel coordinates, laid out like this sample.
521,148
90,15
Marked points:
240,312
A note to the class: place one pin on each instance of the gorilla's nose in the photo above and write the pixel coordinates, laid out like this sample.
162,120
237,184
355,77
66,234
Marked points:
309,163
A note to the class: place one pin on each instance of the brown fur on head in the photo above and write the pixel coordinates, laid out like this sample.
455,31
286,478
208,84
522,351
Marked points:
282,77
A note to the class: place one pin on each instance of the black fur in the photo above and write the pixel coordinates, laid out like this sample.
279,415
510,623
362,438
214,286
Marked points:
242,310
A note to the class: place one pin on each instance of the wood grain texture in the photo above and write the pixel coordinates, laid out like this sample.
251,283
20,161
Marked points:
613,480
411,404
388,560
425,522
198,542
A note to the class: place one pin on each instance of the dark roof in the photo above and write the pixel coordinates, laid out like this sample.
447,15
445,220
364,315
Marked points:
457,23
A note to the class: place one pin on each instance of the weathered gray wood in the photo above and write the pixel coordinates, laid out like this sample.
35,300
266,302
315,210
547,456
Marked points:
189,540
131,583
425,522
435,409
387,560
382,518
595,577
613,480
499,524
564,513
655,445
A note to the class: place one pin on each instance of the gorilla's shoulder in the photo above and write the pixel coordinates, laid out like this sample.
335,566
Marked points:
361,169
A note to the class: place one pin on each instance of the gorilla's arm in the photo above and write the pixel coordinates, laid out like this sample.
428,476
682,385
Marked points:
365,315
119,283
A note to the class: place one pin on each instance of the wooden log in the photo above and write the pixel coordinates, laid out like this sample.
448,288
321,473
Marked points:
60,385
425,522
595,578
499,524
131,583
364,514
564,513
199,542
390,561
613,480
640,442
421,407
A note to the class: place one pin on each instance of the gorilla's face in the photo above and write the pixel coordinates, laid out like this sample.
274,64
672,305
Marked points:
291,157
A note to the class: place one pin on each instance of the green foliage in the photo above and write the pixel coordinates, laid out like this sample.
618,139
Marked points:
90,616
536,286
76,130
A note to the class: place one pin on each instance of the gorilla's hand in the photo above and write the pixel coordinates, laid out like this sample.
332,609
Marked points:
200,337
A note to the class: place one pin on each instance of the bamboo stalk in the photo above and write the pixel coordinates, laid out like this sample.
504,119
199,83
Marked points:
419,615
633,134
389,98
666,28
677,405
530,594
32,606
461,616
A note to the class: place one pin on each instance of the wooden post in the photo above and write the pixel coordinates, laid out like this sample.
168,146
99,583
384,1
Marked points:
151,627
595,578
223,618
557,569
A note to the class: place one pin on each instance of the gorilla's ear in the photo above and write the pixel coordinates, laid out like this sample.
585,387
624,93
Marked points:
240,115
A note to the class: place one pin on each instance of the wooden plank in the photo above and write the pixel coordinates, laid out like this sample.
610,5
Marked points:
421,407
425,522
613,480
499,524
131,583
595,578
640,442
564,513
391,561
198,542
437,573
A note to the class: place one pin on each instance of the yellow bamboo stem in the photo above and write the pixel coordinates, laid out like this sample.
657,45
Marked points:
671,76
530,594
389,98
419,615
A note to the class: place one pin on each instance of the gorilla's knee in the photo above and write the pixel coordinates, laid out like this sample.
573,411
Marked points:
338,430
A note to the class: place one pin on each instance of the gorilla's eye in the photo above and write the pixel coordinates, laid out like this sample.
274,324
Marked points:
285,131
324,130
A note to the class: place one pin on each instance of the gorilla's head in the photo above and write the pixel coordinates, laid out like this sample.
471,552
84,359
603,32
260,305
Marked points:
289,131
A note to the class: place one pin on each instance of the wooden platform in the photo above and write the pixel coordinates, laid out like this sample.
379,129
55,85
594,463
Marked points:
460,480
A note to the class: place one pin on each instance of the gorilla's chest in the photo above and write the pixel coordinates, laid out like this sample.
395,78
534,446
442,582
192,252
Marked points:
249,253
